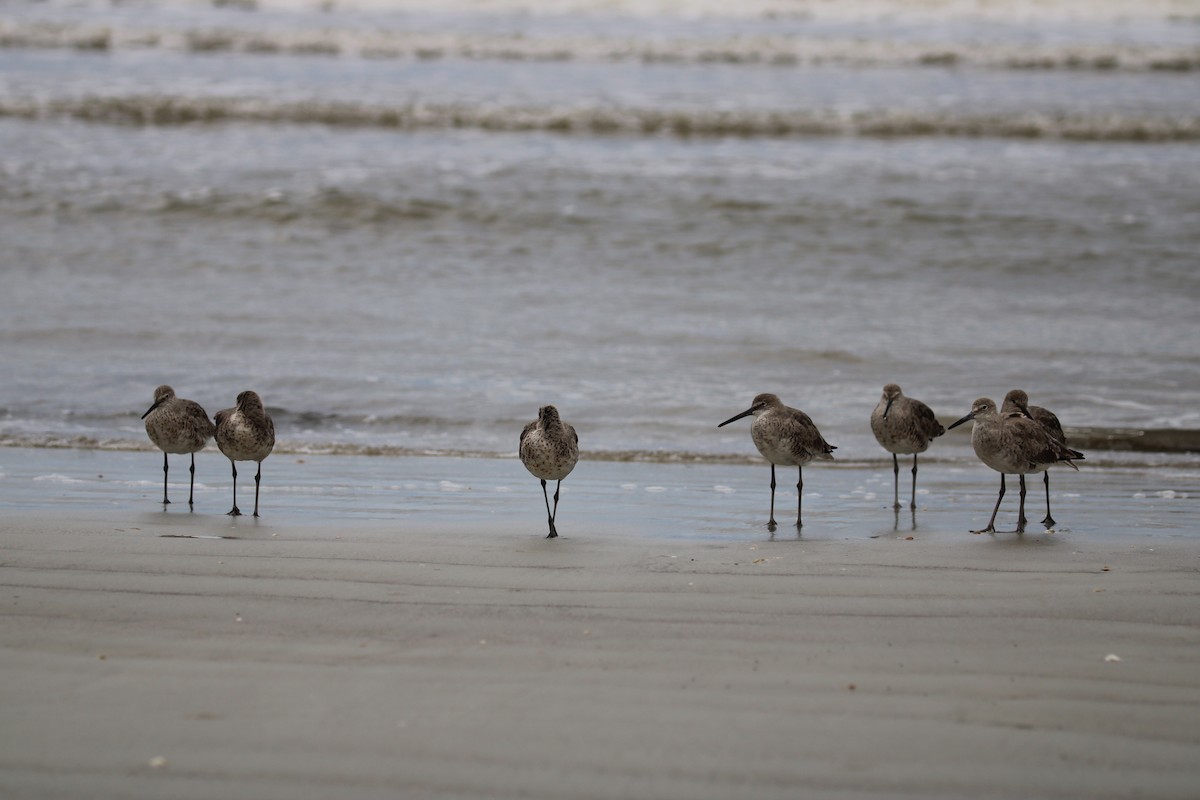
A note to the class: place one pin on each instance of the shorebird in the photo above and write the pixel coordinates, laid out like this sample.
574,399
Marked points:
787,437
245,433
549,449
177,426
1018,401
903,425
1014,444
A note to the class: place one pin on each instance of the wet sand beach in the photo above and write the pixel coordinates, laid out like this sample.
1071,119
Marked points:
459,654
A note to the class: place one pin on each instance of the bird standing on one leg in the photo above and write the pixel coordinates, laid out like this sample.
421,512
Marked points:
1018,401
549,449
903,425
245,433
787,437
1014,444
177,426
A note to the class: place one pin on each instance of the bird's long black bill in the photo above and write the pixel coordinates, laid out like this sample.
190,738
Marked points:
887,408
151,408
967,418
745,413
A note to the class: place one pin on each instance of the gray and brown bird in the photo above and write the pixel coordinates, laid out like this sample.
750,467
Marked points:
903,425
1013,444
549,449
177,426
786,437
1018,400
245,433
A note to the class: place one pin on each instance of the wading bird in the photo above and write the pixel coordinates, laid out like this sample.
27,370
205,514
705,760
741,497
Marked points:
549,449
786,437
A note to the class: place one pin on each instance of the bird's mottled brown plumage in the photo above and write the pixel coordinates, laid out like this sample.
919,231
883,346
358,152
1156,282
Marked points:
549,449
786,437
177,426
903,425
245,433
1013,443
1018,400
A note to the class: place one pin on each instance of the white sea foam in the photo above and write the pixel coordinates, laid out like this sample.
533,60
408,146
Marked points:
853,9
59,478
755,49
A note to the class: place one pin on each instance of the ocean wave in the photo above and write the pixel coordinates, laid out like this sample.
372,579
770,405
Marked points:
1154,440
328,204
166,110
1006,10
780,51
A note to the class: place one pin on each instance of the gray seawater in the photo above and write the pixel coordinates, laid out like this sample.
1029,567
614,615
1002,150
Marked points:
408,229
342,495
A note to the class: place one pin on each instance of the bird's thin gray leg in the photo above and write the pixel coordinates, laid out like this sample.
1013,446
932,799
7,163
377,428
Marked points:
800,498
192,484
1021,514
895,481
257,481
991,526
234,512
165,500
549,516
771,522
554,514
913,502
1049,520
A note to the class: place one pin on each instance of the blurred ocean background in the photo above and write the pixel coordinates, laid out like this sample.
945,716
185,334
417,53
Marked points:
409,224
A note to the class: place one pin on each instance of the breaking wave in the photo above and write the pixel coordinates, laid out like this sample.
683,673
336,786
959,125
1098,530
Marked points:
160,110
781,51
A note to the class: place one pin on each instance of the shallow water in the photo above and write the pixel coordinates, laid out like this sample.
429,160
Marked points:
407,230
304,495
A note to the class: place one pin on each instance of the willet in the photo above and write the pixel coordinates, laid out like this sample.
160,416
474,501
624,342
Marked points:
787,437
1013,444
1018,401
549,449
177,426
245,433
903,425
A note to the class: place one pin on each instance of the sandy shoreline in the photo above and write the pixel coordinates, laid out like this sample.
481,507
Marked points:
350,661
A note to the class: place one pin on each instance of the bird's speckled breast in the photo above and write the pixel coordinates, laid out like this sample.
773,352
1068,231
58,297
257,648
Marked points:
179,426
241,440
778,449
547,458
